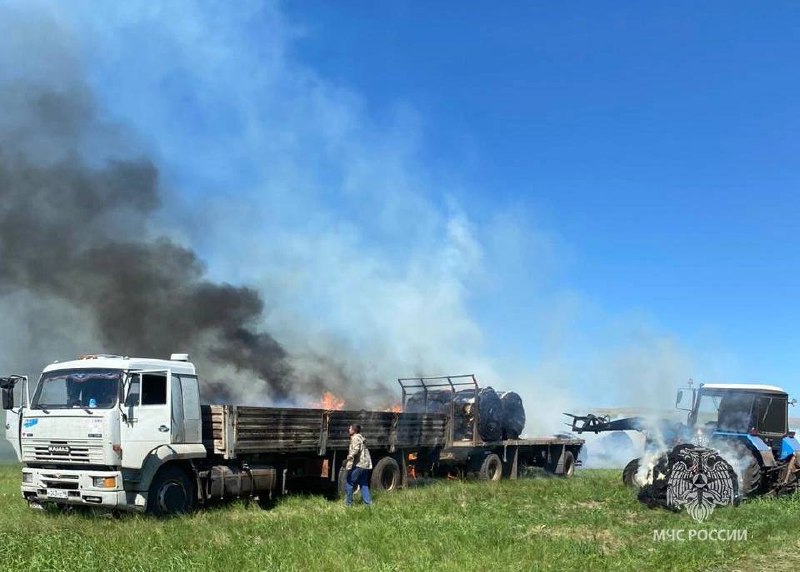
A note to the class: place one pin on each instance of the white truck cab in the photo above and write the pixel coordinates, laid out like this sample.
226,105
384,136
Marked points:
94,431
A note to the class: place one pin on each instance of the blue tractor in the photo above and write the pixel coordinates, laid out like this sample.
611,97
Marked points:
746,424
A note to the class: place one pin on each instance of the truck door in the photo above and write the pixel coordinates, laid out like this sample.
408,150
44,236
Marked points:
147,421
13,417
12,430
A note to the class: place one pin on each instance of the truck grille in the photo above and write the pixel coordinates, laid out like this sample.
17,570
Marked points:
78,452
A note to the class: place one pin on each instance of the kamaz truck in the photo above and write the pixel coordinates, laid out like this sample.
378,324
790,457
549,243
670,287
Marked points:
126,433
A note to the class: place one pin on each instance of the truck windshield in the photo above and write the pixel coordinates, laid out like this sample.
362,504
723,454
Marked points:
79,389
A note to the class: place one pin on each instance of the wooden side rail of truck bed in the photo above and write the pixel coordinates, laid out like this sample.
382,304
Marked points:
229,430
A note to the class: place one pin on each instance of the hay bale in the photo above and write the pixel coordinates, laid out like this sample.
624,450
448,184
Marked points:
513,414
438,402
486,406
490,415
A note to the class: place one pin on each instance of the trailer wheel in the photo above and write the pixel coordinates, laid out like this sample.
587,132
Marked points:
385,475
569,465
170,493
629,474
341,481
491,468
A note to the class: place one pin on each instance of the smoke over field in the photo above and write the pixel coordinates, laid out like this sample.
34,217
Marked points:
80,234
168,183
96,255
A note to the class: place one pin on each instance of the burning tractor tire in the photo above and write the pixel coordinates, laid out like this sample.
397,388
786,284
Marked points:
629,475
691,477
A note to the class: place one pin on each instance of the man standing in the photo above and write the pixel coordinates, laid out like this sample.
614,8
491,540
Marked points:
358,466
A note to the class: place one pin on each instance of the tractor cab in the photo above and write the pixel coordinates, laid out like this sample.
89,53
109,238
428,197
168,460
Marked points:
737,411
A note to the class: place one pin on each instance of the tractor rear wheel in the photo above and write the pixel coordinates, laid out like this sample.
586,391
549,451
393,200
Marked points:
752,479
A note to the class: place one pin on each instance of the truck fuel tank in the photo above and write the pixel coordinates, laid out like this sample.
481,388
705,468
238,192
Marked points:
239,482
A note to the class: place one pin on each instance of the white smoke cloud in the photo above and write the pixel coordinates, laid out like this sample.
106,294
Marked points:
361,246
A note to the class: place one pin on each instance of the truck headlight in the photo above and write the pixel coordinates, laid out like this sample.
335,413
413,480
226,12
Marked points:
104,482
27,477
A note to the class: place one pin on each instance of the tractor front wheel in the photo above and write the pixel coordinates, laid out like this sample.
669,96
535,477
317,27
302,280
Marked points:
629,474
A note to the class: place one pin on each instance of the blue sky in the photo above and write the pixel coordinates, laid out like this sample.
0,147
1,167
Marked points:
659,142
589,203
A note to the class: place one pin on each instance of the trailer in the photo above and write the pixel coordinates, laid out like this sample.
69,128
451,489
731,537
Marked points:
309,446
130,434
479,458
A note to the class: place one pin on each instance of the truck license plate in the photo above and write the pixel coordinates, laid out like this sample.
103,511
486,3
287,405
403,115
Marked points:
56,494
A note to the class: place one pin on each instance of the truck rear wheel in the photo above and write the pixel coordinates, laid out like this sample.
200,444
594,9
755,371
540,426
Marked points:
170,493
386,475
491,468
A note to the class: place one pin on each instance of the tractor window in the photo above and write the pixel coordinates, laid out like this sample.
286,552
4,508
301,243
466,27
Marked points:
770,414
707,410
735,412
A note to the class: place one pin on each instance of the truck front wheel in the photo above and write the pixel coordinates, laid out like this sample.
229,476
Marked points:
170,493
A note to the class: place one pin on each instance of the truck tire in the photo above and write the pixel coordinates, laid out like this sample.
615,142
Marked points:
265,502
386,475
491,468
36,505
629,474
171,492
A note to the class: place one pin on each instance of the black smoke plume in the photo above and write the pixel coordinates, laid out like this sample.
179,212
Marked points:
80,230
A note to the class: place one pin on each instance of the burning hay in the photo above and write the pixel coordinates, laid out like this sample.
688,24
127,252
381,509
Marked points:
691,477
329,402
513,414
496,419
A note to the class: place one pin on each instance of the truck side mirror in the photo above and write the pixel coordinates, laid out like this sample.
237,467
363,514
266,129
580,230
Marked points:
8,398
131,397
679,398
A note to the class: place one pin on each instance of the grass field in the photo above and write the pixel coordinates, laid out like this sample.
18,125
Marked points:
588,523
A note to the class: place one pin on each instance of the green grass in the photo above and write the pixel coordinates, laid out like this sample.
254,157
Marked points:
588,523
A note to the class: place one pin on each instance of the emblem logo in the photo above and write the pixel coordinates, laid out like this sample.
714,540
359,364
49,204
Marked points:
700,481
60,449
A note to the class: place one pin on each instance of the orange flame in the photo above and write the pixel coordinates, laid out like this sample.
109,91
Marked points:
330,402
396,408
